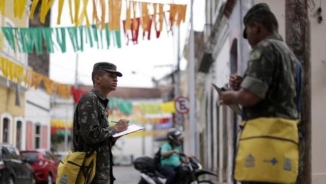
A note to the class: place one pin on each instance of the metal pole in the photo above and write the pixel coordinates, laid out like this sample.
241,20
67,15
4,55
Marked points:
192,96
177,92
298,38
76,71
66,128
74,104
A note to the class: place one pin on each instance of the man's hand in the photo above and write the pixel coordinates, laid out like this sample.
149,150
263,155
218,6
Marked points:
122,125
176,151
235,82
228,98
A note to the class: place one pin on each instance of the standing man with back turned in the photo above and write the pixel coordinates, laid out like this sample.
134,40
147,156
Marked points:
268,88
91,130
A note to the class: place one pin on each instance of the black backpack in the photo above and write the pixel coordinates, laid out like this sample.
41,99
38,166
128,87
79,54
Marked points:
157,158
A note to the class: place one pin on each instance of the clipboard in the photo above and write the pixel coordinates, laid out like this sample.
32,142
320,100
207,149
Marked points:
130,129
235,107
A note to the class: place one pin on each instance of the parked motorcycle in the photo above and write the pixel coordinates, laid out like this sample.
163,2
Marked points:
150,175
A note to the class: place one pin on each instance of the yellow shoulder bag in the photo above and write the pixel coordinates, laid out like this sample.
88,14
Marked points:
268,149
77,168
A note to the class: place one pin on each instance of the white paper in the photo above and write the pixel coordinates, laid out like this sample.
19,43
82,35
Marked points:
131,129
236,108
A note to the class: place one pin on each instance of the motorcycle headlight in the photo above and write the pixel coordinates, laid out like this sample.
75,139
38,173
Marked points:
200,166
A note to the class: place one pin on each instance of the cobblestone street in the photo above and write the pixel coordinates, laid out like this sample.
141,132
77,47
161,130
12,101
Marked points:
126,175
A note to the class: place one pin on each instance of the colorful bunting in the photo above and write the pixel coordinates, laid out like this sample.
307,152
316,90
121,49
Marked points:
28,39
79,12
28,78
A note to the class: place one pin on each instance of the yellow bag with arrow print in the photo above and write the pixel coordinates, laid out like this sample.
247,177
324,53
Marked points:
77,168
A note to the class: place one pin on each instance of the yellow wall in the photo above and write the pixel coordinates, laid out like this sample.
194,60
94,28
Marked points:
9,13
7,102
7,96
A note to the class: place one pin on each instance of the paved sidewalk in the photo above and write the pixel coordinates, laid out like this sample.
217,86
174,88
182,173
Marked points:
126,175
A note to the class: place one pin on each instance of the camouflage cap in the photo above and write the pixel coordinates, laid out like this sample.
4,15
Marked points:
109,67
258,8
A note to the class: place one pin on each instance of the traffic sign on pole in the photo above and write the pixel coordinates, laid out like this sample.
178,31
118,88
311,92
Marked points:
181,105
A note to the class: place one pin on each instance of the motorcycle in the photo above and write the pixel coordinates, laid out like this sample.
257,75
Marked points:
150,174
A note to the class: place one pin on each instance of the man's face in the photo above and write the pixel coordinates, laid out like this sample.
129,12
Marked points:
108,81
253,32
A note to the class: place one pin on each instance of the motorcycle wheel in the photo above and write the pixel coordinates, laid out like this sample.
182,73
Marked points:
206,182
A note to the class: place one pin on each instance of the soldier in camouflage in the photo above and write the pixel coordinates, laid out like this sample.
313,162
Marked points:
91,130
268,88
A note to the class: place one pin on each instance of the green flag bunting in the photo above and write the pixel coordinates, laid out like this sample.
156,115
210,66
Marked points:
26,40
123,105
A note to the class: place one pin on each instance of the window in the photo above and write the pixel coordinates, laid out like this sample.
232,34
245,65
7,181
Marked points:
5,153
14,153
9,152
19,132
6,130
37,136
9,52
7,48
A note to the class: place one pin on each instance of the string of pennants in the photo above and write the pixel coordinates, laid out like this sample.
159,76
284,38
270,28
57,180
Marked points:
101,35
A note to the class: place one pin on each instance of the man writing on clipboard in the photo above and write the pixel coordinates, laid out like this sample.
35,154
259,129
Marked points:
91,131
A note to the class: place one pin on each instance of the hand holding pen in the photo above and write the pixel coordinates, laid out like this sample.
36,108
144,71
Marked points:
121,125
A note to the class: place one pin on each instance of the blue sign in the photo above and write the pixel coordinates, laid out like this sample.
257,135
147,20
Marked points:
250,161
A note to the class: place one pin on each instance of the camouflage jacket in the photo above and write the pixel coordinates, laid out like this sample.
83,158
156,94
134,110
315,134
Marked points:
91,131
271,75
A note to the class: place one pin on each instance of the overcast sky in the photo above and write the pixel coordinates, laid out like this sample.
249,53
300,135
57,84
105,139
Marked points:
141,58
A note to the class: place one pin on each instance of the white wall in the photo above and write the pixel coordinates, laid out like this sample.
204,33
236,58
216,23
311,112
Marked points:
134,145
37,110
62,108
222,65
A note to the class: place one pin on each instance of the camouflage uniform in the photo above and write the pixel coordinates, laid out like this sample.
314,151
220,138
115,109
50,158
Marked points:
91,131
271,75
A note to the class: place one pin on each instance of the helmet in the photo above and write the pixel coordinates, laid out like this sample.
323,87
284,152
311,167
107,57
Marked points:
174,136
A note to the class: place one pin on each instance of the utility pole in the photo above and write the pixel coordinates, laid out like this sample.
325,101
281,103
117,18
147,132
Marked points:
298,39
192,95
76,71
68,105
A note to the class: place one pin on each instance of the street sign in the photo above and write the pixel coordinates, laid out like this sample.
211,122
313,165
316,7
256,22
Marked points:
178,119
181,105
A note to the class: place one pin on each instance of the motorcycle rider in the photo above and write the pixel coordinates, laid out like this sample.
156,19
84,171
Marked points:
170,152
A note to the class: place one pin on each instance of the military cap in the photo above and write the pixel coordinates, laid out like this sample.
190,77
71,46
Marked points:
109,67
258,8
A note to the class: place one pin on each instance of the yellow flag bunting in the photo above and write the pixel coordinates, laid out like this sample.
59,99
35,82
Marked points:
101,35
109,11
28,78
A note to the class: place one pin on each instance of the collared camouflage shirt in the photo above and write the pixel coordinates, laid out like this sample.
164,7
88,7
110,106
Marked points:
91,132
271,75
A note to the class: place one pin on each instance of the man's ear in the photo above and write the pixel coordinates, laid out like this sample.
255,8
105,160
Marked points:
258,28
96,79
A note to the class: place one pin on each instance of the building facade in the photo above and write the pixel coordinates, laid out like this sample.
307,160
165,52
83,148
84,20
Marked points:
12,108
38,118
37,111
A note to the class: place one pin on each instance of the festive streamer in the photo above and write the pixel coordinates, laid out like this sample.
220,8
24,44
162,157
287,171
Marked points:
29,78
30,39
78,11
